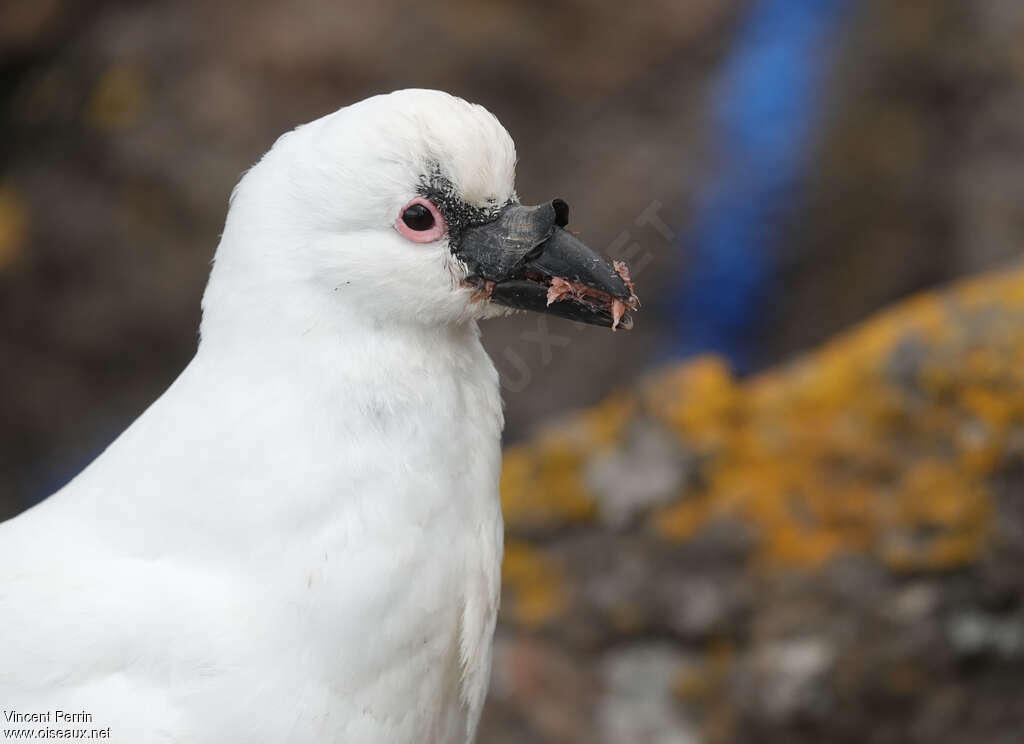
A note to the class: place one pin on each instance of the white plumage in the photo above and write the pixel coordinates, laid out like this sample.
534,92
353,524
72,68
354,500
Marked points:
300,540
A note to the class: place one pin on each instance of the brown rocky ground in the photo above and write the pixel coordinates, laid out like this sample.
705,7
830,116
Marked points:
828,552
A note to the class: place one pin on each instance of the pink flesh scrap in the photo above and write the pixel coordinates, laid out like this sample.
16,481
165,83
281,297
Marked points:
618,306
618,310
623,271
560,289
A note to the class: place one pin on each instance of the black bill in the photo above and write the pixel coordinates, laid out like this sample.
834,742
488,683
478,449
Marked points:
526,259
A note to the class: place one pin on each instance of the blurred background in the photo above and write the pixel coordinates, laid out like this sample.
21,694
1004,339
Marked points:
780,516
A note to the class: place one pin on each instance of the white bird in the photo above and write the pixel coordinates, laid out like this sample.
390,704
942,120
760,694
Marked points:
300,540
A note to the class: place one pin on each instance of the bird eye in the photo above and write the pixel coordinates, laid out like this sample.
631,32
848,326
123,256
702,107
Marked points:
420,221
418,218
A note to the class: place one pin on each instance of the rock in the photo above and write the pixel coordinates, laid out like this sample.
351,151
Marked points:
648,471
638,704
973,633
784,678
829,551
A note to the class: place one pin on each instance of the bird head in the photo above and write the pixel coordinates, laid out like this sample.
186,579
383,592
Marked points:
403,207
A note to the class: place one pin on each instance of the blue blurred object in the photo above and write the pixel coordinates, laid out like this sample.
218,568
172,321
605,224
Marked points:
764,115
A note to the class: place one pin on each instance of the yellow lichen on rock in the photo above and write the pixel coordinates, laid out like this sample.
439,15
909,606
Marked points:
541,487
697,400
542,483
881,443
535,592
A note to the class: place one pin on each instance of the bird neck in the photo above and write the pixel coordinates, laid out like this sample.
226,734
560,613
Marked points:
340,347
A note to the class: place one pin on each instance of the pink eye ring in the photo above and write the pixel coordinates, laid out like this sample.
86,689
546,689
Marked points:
420,221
